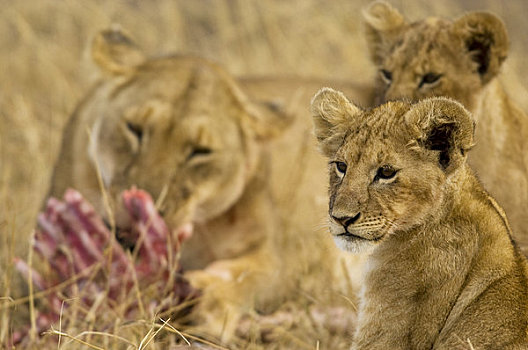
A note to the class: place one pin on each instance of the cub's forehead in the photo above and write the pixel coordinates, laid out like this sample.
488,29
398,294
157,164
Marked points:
376,128
425,31
421,40
382,121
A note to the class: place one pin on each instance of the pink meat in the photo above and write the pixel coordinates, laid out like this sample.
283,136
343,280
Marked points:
75,244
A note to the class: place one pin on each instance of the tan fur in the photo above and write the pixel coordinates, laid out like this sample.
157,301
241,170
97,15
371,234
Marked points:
242,170
442,271
468,54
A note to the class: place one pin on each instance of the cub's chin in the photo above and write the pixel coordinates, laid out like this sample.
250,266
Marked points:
354,244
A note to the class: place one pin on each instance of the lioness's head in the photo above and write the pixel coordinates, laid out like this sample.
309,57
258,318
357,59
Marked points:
178,127
390,167
434,57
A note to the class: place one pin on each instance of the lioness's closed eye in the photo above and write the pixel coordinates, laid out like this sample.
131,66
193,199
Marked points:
442,265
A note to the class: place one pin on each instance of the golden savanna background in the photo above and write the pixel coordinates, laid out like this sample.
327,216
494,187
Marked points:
45,70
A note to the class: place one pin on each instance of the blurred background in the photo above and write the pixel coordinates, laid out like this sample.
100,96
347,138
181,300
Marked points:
45,68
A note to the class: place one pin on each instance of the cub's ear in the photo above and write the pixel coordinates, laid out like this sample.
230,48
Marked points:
115,53
382,24
486,40
445,126
332,113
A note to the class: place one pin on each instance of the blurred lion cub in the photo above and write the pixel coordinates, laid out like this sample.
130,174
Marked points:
443,271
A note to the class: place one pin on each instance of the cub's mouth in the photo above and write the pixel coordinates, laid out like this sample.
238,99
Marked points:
351,237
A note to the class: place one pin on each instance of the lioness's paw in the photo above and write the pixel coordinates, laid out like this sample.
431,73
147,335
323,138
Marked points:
205,279
216,317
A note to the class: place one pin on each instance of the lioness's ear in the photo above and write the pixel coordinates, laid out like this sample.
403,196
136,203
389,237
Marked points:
382,24
115,53
331,112
486,41
265,120
443,125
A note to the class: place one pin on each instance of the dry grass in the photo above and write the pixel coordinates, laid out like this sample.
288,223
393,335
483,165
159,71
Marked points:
45,72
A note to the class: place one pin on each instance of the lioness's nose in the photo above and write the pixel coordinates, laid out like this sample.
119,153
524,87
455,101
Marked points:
347,220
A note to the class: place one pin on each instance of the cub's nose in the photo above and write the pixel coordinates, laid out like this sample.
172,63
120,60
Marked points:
347,220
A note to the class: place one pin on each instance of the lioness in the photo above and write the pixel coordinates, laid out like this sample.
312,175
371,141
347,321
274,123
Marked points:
242,172
443,271
459,59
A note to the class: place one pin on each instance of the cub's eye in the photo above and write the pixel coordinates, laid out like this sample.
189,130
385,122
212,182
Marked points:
386,76
429,79
199,151
340,168
135,129
386,172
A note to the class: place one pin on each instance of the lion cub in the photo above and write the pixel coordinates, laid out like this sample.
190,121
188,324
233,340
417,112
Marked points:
460,59
443,271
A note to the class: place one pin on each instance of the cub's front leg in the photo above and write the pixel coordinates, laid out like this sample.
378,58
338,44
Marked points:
382,324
